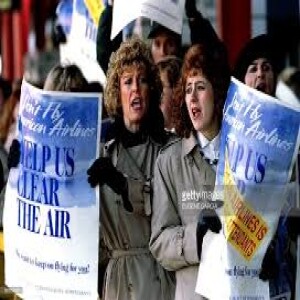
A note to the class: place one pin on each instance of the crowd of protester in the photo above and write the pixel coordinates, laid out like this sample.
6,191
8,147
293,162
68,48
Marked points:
165,110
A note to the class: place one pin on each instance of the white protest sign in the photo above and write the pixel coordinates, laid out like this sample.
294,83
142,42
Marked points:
167,12
259,143
51,215
80,48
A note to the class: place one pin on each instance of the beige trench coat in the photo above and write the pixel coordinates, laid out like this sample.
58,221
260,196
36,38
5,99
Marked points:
181,174
132,272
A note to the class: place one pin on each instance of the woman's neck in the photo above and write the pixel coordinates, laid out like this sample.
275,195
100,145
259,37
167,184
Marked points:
132,127
211,133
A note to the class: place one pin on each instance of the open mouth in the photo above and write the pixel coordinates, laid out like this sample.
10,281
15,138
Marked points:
136,104
261,87
196,112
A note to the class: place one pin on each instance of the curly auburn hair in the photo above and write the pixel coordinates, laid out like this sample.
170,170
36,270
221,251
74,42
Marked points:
132,52
212,61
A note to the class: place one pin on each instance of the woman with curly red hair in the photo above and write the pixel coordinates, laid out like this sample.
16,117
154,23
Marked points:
187,166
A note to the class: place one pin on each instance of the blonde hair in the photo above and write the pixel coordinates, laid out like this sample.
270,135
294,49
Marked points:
132,52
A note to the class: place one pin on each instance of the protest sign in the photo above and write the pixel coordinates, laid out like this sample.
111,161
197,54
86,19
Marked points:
64,13
80,47
168,13
284,93
95,8
51,214
259,144
298,239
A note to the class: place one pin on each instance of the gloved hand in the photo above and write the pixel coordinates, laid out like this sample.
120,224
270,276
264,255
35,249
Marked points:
293,223
59,35
269,267
191,8
14,154
207,220
102,172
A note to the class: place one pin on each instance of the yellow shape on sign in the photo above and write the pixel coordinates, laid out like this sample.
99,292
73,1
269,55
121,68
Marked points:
95,8
244,227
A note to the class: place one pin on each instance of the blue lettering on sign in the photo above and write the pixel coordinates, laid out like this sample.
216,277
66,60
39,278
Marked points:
254,163
38,201
91,31
50,222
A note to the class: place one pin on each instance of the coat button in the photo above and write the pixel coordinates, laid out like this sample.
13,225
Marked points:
130,287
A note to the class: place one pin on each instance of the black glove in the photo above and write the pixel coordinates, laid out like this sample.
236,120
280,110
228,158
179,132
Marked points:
59,36
14,154
102,172
269,267
190,8
293,223
207,220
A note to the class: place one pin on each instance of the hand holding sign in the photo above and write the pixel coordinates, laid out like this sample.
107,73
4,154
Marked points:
269,267
14,154
190,8
293,223
207,220
102,172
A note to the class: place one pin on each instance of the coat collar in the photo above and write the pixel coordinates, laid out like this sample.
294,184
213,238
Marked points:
191,153
188,144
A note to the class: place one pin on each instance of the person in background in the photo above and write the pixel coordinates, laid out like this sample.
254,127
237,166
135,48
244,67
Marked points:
5,92
125,173
293,82
188,164
201,30
288,86
169,71
166,42
104,45
256,66
66,78
9,108
9,116
163,42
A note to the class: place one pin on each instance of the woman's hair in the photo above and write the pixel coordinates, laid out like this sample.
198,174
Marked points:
68,78
133,52
212,61
171,65
261,46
